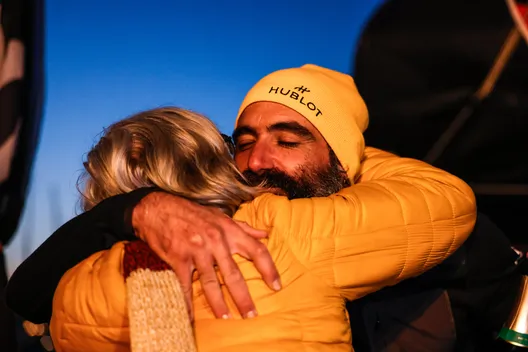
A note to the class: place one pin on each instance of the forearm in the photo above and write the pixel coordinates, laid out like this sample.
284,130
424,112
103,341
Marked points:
435,210
30,290
400,219
431,211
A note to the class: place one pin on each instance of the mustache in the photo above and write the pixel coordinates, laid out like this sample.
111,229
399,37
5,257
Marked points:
271,178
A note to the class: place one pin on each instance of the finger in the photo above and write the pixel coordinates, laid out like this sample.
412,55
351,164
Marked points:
257,252
213,294
251,231
234,281
183,272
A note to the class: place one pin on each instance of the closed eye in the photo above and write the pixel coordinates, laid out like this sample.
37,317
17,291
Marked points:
288,144
244,146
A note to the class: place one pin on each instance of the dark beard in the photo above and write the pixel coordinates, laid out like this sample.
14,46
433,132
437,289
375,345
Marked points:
310,182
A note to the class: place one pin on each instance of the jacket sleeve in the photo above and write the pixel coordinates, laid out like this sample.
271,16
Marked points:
401,218
30,289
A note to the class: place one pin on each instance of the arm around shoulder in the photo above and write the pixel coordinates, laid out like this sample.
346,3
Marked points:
400,219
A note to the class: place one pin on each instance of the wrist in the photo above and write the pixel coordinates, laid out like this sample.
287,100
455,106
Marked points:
143,212
126,204
139,215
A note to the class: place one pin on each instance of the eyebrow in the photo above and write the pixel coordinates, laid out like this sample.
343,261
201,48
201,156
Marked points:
292,127
243,130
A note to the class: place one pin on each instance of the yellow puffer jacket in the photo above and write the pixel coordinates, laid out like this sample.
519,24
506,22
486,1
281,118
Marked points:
401,218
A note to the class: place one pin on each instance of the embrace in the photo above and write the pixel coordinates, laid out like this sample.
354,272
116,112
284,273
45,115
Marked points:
193,241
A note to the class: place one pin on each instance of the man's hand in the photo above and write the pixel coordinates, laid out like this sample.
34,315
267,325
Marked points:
188,236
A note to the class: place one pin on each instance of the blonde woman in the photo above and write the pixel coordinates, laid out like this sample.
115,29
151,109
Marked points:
321,256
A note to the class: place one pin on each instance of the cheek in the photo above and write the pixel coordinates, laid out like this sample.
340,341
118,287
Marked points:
290,161
317,154
241,160
320,156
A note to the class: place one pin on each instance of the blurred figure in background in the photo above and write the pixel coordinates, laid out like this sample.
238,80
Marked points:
21,92
446,82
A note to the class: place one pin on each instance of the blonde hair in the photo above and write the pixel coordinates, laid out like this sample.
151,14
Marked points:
177,150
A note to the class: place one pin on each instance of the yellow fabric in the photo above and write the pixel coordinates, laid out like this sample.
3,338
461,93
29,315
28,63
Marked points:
400,219
328,99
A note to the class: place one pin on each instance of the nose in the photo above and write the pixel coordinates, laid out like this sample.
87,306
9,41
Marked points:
260,158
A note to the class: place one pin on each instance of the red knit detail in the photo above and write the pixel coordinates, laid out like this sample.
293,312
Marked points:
138,255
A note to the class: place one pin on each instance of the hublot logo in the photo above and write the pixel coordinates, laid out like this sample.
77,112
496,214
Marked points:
296,96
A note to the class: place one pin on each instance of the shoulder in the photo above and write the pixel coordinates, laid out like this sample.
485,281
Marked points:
262,211
271,211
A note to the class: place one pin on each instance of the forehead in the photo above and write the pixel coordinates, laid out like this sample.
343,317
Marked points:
263,114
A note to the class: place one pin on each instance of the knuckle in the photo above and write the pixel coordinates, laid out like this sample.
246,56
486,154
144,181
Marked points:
181,268
197,240
260,250
215,235
187,289
233,276
179,252
234,247
208,280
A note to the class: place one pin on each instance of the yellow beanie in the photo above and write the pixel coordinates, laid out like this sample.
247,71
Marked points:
328,99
